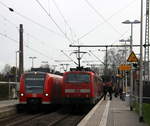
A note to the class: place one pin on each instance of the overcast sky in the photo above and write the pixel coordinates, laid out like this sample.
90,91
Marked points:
66,22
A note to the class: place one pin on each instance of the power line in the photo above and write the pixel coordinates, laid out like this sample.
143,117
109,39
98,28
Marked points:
122,9
96,57
29,19
101,16
32,36
69,57
4,4
6,36
49,15
120,36
65,21
9,21
96,26
38,52
49,6
93,29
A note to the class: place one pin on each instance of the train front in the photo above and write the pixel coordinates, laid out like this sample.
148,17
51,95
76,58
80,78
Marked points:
34,88
77,87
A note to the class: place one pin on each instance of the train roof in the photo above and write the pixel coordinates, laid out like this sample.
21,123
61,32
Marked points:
40,69
87,69
79,72
34,72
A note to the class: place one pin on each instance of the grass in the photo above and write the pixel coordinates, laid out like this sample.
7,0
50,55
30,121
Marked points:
146,112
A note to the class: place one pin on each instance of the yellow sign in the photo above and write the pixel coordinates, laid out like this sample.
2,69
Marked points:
124,67
132,57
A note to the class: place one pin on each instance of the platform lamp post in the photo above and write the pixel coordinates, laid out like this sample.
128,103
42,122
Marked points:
141,68
16,66
127,40
32,58
131,72
123,86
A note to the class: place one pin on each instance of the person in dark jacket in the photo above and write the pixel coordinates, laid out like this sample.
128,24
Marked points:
107,87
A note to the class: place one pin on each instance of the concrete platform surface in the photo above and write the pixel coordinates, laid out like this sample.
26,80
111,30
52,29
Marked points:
111,113
6,103
7,108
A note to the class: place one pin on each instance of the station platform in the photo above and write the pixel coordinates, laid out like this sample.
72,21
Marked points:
7,103
113,112
7,107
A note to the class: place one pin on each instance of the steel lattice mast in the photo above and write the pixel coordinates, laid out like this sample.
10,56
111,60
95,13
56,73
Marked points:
146,45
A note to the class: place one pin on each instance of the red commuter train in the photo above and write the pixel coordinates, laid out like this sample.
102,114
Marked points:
40,88
81,87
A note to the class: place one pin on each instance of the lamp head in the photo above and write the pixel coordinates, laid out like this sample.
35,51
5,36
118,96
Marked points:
136,22
126,22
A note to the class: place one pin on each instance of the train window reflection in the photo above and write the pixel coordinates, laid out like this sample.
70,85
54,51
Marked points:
77,78
34,83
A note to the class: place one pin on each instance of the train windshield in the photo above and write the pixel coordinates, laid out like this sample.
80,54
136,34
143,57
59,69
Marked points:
34,83
77,78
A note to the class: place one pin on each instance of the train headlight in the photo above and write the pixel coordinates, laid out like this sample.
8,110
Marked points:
21,94
46,94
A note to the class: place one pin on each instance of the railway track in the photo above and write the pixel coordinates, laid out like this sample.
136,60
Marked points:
62,117
70,120
18,119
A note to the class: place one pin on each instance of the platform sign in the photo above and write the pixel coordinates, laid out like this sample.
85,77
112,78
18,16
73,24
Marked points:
124,67
132,57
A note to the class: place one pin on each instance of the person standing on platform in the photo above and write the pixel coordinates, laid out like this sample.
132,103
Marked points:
107,87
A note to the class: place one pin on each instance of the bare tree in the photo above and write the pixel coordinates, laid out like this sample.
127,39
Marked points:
7,69
115,57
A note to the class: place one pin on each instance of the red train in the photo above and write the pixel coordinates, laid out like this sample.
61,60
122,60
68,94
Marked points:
40,88
81,87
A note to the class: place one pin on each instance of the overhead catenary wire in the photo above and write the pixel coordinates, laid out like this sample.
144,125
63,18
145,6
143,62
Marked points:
9,21
65,21
98,25
8,37
120,36
31,20
4,4
101,16
28,34
49,15
69,57
49,6
97,57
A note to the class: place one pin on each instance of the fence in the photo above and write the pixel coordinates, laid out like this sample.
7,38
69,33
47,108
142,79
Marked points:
146,91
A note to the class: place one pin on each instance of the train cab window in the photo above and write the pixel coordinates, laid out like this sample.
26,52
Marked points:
77,78
34,83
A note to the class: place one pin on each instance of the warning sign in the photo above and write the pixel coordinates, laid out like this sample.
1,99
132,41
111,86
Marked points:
132,57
